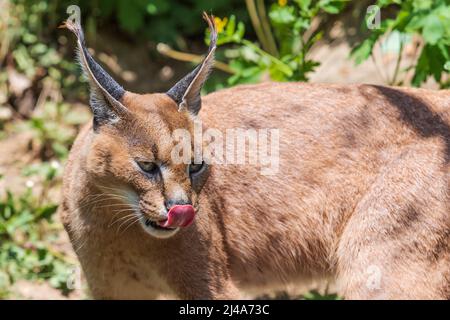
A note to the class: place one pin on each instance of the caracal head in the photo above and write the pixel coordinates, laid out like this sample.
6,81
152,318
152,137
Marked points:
142,150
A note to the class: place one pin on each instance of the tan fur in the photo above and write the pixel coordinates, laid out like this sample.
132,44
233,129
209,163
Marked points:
363,185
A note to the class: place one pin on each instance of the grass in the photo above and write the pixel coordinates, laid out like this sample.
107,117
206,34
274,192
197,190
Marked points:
27,231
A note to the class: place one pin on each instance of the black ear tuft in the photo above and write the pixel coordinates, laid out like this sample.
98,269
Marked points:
186,92
105,91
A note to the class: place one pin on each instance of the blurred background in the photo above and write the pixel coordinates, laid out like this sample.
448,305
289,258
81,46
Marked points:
147,45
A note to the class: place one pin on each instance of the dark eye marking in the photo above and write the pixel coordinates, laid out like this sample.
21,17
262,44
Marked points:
148,167
195,168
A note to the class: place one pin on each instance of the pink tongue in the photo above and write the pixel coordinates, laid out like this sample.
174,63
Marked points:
179,216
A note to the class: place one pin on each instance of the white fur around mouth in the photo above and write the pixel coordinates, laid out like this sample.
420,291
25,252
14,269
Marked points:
155,230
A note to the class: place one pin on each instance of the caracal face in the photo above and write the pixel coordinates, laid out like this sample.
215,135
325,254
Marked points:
133,154
134,160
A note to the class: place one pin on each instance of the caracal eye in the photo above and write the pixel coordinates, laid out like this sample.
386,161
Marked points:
148,167
195,168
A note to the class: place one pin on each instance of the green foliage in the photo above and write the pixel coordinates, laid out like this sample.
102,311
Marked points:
27,33
26,224
53,129
285,38
157,20
315,295
427,18
28,48
152,19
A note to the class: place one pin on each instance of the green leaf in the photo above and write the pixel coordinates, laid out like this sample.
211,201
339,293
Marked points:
447,66
361,52
230,28
301,24
60,149
47,211
433,29
421,70
332,7
422,4
282,15
314,295
231,34
304,4
384,3
415,24
29,38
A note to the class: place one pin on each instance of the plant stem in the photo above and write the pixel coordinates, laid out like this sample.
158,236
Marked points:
266,28
414,59
397,65
384,77
252,12
189,57
283,67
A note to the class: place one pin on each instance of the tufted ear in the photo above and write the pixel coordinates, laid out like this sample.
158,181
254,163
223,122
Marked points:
186,92
105,92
